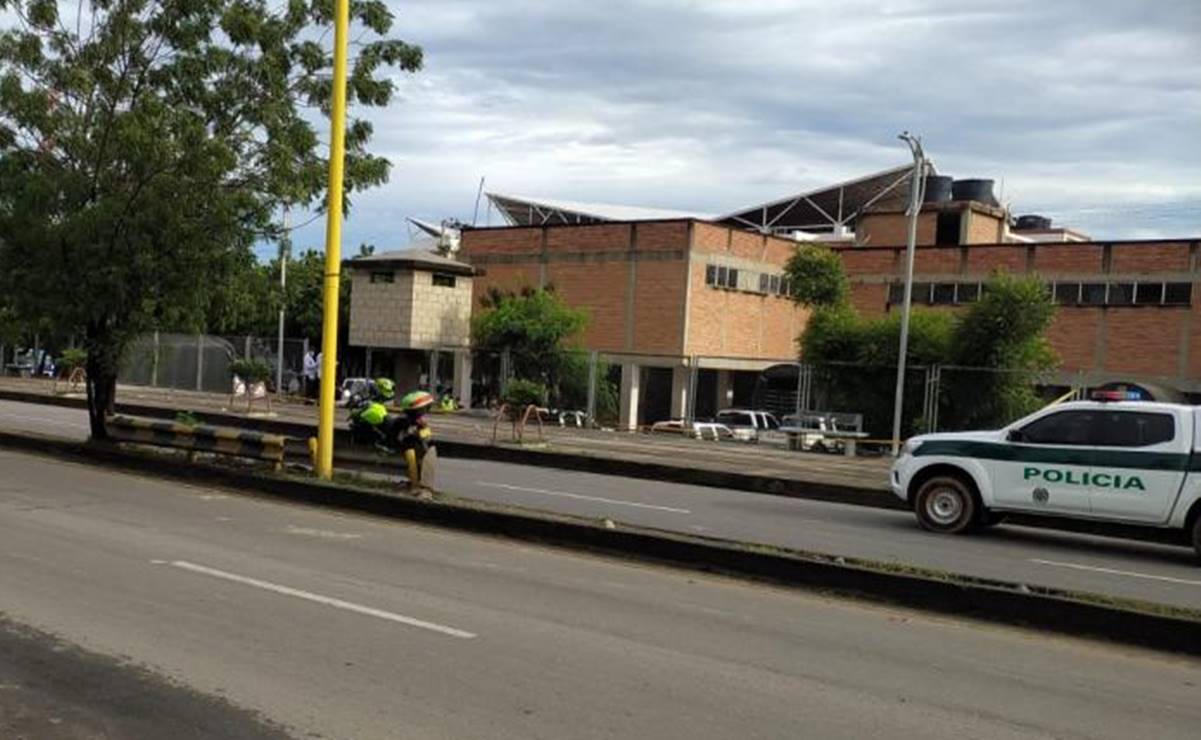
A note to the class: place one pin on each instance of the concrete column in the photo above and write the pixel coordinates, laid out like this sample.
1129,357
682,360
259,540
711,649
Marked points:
680,377
725,389
631,382
462,376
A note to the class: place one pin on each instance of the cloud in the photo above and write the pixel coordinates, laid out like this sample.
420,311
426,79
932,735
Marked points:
1089,111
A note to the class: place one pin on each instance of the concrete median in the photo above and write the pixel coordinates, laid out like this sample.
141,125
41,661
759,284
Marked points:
1074,613
774,485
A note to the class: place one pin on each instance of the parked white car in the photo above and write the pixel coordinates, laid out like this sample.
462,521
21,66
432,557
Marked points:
748,425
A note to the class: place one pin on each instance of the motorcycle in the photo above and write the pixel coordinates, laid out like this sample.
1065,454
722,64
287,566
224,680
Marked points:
406,433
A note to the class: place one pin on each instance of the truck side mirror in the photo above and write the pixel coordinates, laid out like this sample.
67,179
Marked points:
1016,435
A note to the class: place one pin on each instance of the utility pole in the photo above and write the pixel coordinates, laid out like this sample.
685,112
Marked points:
285,251
917,191
324,462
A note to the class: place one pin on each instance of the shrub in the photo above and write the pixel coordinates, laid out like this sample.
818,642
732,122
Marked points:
521,393
71,359
250,371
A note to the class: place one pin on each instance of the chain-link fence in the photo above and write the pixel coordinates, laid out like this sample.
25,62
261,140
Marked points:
200,362
936,397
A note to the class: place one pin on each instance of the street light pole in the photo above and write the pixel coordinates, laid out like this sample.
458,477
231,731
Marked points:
917,188
285,249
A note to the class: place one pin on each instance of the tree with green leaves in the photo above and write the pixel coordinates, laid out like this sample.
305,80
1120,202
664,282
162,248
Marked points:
816,277
994,350
536,328
145,145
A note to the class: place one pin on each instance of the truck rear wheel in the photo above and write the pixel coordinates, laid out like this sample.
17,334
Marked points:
945,504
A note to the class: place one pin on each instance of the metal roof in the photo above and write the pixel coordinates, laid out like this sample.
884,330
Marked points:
523,211
828,208
823,210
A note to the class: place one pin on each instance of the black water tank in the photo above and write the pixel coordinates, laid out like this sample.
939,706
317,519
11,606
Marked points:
977,190
1032,222
938,188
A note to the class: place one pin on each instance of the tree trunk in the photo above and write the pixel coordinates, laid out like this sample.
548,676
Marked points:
101,384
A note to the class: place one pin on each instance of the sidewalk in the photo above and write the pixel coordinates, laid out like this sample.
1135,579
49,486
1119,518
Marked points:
617,449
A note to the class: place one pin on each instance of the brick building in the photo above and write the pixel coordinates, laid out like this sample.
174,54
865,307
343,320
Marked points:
693,307
1125,309
666,295
663,297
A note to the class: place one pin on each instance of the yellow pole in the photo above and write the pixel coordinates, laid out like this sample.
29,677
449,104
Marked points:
333,245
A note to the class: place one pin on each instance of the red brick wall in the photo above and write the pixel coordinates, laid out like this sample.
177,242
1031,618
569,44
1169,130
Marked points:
862,261
601,288
727,323
937,260
660,236
1149,257
870,299
504,277
659,306
997,258
597,238
892,229
1069,258
1073,336
710,238
1143,340
501,241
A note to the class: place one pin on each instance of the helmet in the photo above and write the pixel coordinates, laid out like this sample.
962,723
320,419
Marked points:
385,389
416,401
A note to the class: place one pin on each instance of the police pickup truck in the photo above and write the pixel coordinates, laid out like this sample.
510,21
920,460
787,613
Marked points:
1117,461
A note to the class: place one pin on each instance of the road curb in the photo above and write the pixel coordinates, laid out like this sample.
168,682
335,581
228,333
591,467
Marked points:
1073,613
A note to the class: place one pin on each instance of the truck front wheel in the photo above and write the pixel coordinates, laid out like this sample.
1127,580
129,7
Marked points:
945,504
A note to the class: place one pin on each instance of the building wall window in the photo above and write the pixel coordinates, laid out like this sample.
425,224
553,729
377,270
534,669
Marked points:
442,280
1092,294
383,277
944,294
1063,293
1178,294
731,278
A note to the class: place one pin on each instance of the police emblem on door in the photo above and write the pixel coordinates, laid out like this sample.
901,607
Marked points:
1041,495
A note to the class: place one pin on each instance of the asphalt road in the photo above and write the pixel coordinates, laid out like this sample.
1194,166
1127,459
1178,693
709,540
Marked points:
341,626
1158,573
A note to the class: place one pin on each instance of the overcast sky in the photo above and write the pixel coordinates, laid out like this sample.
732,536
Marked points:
1089,111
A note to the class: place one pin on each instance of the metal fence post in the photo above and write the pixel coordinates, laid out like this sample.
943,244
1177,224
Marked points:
937,394
693,385
154,362
199,362
593,369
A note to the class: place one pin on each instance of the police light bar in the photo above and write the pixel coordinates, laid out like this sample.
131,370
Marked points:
1113,395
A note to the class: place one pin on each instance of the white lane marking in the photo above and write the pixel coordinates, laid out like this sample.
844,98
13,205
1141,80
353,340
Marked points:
40,420
322,533
582,497
1111,571
326,600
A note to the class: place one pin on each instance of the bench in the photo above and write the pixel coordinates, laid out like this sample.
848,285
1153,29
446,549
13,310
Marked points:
844,428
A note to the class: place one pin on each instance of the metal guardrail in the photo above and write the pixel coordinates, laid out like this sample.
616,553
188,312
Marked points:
199,438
